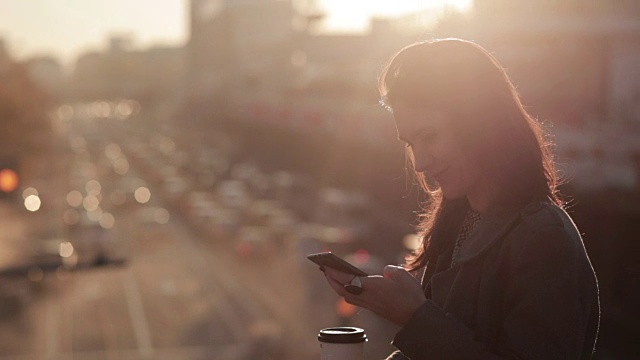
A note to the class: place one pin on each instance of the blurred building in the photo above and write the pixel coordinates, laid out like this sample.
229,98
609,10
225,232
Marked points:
263,61
346,66
560,8
148,75
48,73
240,48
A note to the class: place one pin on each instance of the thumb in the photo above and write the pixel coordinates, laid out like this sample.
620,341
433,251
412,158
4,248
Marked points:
393,271
398,273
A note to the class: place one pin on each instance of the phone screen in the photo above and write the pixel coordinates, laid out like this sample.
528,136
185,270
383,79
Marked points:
330,260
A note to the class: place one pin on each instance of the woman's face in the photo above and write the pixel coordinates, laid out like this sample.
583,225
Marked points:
437,153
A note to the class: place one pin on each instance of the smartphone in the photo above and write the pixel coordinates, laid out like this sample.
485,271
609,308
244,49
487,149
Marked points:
330,260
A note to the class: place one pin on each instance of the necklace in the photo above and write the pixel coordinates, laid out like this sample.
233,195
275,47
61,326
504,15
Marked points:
468,225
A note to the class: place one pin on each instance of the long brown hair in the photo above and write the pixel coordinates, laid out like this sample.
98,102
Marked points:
464,80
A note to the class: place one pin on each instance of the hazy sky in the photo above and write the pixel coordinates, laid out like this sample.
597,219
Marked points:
65,28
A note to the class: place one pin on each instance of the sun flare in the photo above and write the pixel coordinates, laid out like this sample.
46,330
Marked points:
354,15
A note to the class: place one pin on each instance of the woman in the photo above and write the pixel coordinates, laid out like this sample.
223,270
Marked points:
504,272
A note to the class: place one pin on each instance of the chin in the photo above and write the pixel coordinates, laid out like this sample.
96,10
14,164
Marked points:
452,194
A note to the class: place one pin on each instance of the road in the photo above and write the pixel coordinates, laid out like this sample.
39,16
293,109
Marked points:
175,299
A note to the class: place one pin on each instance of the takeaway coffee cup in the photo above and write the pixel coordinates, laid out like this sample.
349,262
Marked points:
342,343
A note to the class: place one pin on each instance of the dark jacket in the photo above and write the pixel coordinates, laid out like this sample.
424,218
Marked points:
522,288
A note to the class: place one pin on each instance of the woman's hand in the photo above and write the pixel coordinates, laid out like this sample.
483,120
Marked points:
395,296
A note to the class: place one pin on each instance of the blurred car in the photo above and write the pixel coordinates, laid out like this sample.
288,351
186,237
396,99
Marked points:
210,216
255,242
324,237
20,257
175,186
233,193
345,209
296,192
92,243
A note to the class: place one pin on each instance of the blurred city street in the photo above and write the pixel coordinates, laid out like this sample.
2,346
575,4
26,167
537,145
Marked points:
177,296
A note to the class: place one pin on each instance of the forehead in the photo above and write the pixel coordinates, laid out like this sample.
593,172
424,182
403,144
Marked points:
411,119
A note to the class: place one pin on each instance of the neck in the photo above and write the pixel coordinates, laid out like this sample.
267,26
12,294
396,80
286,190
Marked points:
482,196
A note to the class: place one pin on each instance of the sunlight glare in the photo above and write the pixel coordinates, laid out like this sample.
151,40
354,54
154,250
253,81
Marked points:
354,15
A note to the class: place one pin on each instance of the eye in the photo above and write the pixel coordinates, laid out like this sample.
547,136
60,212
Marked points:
428,136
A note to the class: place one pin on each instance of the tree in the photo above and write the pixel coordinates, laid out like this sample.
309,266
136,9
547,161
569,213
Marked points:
24,124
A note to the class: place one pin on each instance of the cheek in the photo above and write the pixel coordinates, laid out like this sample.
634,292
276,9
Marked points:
469,170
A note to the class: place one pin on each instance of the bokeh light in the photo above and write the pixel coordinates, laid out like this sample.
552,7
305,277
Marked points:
112,151
93,187
74,198
344,309
121,166
65,112
29,191
65,249
90,203
361,257
142,195
95,215
161,216
32,203
411,241
9,180
107,220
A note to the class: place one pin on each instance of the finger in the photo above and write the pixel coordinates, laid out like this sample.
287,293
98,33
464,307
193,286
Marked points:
336,285
339,276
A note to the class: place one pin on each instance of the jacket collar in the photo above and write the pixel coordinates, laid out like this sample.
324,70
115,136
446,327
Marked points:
495,224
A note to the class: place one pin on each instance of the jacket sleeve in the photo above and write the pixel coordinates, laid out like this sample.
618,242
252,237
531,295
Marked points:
548,299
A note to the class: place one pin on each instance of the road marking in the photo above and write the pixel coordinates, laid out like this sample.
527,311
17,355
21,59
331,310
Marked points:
138,317
51,329
228,314
108,331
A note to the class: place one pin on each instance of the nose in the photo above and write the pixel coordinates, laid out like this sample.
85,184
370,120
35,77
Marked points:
421,161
